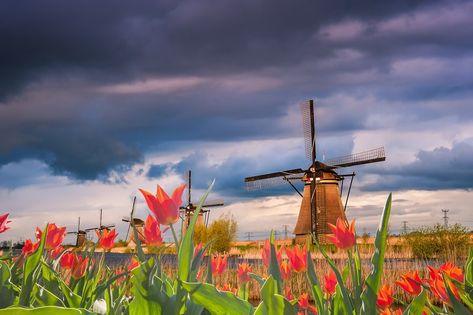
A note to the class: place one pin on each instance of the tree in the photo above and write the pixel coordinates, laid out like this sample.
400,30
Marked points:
222,232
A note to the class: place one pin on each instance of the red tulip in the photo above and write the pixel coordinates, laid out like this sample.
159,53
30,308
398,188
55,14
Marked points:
29,248
285,270
67,260
79,266
106,238
304,301
385,296
54,237
218,264
197,249
266,254
152,232
3,222
452,271
387,311
134,263
165,209
297,257
288,294
242,272
330,282
437,284
342,237
411,283
57,251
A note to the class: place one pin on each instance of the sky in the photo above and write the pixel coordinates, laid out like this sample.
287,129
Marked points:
100,99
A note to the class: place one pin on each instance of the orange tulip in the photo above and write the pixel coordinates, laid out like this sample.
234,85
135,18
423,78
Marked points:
297,257
3,222
29,248
285,270
218,264
342,237
266,254
330,282
304,301
411,283
288,294
134,263
79,266
54,237
152,232
385,296
106,238
452,271
57,251
242,272
67,260
165,209
387,311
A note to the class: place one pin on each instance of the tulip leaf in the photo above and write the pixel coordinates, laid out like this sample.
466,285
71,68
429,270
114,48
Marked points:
274,264
216,302
44,297
256,277
29,271
45,310
468,296
458,308
273,303
314,283
186,248
7,295
373,280
417,304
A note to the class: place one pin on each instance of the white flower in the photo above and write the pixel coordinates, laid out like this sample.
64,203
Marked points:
100,306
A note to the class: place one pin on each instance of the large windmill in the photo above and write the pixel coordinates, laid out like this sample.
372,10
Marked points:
191,207
321,197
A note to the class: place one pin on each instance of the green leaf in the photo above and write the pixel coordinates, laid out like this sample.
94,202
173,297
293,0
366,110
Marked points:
458,308
216,302
43,297
7,294
467,297
373,280
147,290
273,303
274,265
30,267
258,278
315,285
186,249
47,310
417,305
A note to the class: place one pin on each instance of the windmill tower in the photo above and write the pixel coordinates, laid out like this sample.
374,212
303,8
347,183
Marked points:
101,226
321,196
136,222
191,207
81,235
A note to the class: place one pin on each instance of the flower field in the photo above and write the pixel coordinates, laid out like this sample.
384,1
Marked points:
48,279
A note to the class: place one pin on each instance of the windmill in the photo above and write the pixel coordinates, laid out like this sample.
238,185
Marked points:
101,227
136,222
190,207
80,235
321,197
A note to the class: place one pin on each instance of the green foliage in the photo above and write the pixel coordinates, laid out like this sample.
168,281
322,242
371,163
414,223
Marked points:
200,234
222,232
438,241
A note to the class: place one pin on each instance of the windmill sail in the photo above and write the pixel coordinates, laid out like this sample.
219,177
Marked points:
370,156
272,179
308,126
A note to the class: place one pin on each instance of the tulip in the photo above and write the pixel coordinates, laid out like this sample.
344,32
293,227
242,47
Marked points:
57,251
200,273
67,260
437,284
385,297
266,254
452,271
342,237
285,270
330,283
297,257
54,237
29,248
106,238
152,232
197,249
218,264
411,283
3,222
387,311
79,266
304,301
134,263
165,209
288,294
242,272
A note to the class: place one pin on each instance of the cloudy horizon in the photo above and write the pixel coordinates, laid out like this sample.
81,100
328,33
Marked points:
98,100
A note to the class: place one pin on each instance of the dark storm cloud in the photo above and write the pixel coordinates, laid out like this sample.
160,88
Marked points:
74,50
441,168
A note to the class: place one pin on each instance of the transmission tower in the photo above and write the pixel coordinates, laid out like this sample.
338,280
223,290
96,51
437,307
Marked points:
285,231
249,236
404,227
445,217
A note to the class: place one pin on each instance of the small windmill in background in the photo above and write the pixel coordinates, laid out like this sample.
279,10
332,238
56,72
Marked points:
81,235
191,207
132,221
321,197
101,226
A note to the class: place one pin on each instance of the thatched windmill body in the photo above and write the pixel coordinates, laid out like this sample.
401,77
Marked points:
189,209
81,235
321,197
133,222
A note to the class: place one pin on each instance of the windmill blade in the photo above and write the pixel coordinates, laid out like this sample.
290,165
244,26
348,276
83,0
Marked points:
366,157
308,126
270,179
213,203
131,217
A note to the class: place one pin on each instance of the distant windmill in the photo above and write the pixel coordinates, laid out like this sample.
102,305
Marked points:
101,227
321,198
80,235
191,207
137,223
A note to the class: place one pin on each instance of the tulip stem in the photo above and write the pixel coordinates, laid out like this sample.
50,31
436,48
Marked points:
175,237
